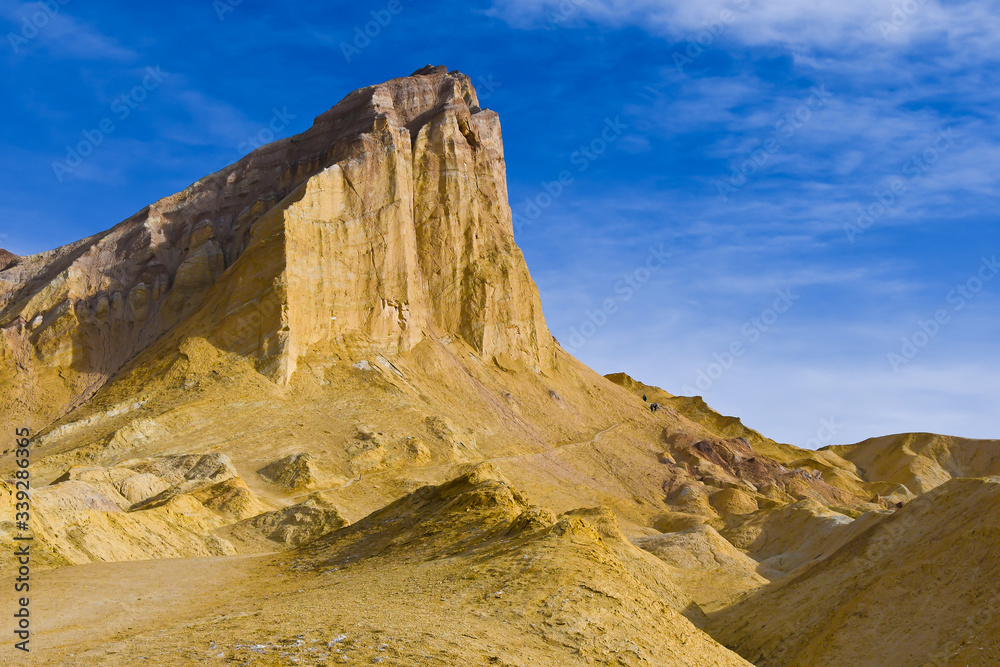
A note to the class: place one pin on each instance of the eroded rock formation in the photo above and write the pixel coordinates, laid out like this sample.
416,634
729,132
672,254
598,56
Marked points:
384,222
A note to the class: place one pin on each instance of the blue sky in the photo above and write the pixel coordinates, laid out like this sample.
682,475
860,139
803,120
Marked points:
782,206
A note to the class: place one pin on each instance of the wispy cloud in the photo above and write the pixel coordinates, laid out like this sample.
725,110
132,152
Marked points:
896,80
51,27
801,26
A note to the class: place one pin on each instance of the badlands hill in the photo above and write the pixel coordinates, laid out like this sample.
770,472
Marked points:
309,409
921,587
922,461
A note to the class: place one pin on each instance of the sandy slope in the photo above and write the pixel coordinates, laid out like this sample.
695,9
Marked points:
465,573
921,587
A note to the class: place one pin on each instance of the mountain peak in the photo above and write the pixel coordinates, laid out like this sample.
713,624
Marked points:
428,70
385,223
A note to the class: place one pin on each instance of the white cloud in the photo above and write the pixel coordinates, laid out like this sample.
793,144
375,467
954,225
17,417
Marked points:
826,24
900,72
207,120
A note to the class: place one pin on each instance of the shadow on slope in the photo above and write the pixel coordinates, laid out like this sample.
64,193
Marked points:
920,587
572,581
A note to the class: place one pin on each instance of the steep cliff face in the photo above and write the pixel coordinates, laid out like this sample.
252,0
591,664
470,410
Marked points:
385,222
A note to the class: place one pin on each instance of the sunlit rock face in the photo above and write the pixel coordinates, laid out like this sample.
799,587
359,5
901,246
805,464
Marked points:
384,223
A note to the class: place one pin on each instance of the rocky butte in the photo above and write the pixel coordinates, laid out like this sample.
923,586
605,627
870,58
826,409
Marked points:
308,411
385,222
